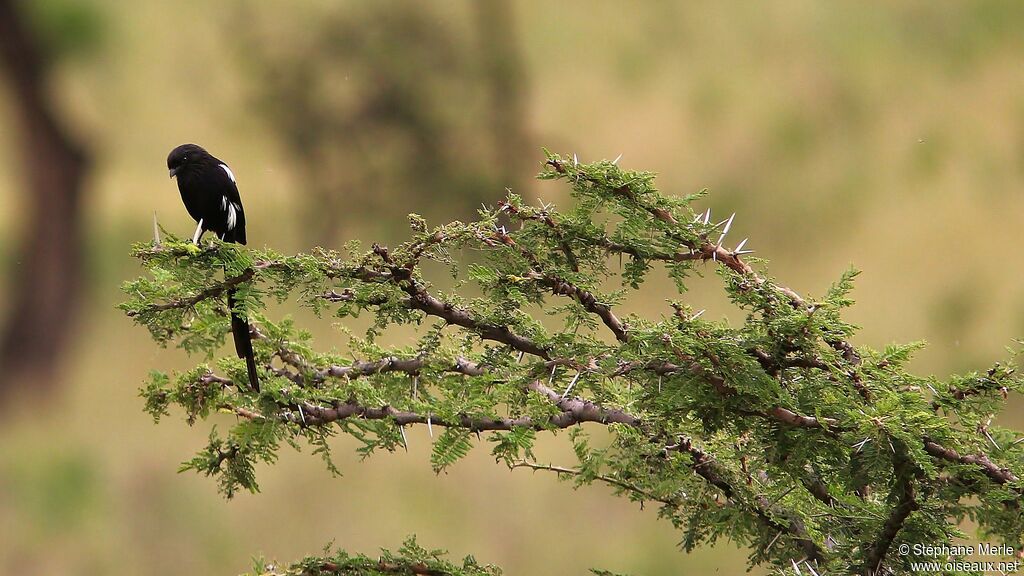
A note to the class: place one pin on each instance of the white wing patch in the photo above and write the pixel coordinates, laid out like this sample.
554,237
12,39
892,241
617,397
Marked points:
226,205
230,174
233,210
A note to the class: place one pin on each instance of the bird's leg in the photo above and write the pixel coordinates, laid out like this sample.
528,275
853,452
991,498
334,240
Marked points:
199,232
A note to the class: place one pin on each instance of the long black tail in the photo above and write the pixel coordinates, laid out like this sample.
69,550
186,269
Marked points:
243,341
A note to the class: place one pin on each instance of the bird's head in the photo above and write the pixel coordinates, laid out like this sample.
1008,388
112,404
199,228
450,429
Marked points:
184,155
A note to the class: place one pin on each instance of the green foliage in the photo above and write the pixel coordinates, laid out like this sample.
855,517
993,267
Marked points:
411,558
452,446
778,434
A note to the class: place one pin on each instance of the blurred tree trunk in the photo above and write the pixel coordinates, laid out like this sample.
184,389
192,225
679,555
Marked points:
46,271
505,78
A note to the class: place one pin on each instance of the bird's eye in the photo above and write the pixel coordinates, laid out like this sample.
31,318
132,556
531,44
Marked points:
184,158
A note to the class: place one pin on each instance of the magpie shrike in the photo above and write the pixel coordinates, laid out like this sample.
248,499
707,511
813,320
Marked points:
210,195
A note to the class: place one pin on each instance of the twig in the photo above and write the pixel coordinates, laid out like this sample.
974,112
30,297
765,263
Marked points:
610,480
211,292
903,494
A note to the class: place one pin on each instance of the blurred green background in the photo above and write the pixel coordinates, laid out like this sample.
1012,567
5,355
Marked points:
887,135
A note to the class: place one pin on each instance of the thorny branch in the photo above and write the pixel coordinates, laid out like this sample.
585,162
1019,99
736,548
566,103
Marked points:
406,568
706,250
573,411
706,467
610,480
903,495
563,287
421,299
398,285
212,292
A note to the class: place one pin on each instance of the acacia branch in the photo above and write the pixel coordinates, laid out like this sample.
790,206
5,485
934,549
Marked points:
413,366
778,413
706,250
361,368
574,411
420,299
423,301
610,480
903,495
815,487
382,566
184,303
562,287
706,467
988,468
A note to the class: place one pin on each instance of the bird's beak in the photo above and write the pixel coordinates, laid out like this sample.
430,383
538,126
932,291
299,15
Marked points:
173,171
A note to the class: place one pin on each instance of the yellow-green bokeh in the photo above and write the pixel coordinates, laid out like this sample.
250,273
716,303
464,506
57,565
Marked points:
885,135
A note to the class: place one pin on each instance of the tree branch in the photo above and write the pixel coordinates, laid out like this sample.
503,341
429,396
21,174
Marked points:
707,468
382,566
360,368
561,286
423,301
777,413
610,480
574,411
903,495
705,250
185,303
988,468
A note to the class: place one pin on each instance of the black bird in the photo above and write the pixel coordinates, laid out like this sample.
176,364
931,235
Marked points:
211,197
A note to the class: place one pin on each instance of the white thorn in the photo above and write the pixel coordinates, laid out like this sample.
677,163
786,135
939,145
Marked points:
728,225
575,379
521,354
552,378
156,230
739,247
430,427
990,439
795,567
811,568
698,314
575,160
301,414
415,385
742,252
617,158
199,232
707,216
405,441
